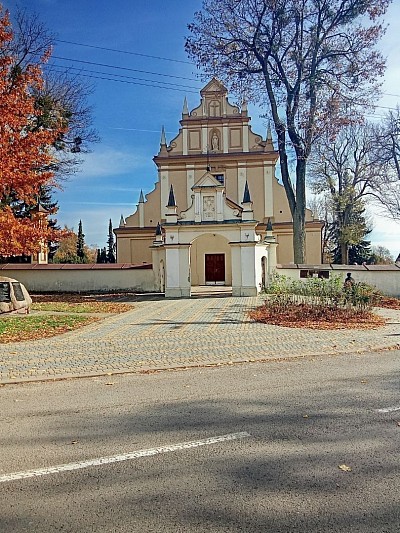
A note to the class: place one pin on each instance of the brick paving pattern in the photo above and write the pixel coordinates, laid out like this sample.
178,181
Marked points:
161,334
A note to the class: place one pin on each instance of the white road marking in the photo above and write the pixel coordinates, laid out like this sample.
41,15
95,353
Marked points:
387,410
119,458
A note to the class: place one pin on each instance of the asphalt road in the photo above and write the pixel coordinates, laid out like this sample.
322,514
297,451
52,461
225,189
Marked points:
252,448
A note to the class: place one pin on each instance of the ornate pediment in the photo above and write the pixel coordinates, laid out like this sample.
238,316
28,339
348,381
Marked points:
214,86
209,181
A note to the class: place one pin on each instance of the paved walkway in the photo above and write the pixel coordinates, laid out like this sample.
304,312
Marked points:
160,334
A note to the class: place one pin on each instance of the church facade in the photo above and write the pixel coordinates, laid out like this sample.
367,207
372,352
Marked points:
217,215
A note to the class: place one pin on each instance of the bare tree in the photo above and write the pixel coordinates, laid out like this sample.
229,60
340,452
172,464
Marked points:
349,173
387,152
388,140
306,59
381,255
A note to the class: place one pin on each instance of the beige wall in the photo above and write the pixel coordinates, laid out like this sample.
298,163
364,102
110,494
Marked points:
285,247
134,249
284,238
385,278
82,280
313,246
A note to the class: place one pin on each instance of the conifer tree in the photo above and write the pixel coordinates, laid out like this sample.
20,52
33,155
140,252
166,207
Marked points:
110,244
103,255
80,245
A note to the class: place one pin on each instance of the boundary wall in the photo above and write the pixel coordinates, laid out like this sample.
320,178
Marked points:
140,278
385,278
82,278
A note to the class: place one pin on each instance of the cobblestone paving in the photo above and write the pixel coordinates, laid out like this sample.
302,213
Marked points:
178,333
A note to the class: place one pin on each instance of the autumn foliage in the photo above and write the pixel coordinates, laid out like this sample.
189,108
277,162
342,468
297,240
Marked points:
25,150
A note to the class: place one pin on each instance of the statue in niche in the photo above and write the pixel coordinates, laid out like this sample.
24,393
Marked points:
215,142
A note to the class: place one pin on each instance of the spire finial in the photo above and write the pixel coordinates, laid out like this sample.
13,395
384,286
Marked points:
269,225
171,198
246,194
122,221
141,197
163,141
269,132
185,110
158,229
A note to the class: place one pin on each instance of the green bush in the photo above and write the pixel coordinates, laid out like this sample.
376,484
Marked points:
320,293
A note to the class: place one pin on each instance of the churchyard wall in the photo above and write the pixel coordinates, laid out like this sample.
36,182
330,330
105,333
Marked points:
141,278
385,278
82,278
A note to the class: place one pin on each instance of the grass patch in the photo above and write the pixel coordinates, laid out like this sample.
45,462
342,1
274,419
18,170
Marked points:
26,328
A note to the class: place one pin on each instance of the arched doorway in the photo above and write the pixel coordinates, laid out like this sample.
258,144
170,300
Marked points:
210,259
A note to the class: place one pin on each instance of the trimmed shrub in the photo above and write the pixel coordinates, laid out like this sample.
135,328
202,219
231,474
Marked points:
320,294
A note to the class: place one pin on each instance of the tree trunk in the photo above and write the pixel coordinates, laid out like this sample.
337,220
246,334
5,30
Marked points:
299,214
299,237
344,252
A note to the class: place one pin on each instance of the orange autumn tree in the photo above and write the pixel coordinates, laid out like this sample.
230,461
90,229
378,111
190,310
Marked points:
26,151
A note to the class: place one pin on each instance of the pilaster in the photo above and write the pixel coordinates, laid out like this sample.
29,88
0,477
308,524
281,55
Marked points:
268,190
164,185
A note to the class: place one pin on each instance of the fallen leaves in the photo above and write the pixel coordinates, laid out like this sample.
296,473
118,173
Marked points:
81,307
389,303
345,468
306,316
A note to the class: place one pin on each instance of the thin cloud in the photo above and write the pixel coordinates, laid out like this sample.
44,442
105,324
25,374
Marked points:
109,162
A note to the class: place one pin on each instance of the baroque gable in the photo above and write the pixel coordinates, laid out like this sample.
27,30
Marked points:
209,203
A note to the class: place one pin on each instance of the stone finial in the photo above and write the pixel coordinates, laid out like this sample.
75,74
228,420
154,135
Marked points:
158,230
171,198
247,213
121,221
185,110
246,194
269,236
141,197
269,132
269,145
163,140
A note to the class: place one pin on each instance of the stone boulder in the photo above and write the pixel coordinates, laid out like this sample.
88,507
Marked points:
14,298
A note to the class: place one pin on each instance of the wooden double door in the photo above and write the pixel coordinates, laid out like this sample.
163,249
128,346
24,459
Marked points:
215,269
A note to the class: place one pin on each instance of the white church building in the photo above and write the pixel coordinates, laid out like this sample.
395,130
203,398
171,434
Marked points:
217,215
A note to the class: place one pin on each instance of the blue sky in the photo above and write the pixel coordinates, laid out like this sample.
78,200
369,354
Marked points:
128,114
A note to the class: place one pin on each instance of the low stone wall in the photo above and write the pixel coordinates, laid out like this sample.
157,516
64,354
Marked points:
385,278
82,278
